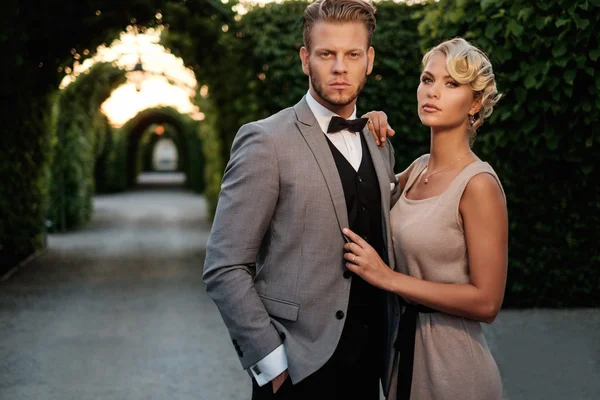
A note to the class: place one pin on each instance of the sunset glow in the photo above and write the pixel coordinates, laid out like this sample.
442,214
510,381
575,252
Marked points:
167,82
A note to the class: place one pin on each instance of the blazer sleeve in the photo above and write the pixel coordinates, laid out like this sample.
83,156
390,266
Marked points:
247,200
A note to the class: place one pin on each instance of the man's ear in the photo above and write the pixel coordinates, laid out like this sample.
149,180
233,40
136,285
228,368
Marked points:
371,59
304,55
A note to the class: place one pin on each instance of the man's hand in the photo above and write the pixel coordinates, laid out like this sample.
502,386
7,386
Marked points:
278,381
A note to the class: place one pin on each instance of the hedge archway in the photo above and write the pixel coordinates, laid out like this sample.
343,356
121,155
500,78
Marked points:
187,141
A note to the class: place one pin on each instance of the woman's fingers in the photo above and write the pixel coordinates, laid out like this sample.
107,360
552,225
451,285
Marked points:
373,125
354,238
379,126
353,258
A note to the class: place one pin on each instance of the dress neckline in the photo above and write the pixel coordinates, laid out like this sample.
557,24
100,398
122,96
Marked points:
406,199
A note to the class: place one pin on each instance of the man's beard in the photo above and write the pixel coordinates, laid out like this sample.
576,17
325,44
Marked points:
319,89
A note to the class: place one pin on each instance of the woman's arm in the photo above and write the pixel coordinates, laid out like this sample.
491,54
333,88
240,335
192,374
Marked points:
485,221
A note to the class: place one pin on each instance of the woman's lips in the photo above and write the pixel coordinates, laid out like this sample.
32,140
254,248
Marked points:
430,108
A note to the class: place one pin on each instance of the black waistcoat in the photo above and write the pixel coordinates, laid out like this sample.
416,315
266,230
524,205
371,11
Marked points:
363,202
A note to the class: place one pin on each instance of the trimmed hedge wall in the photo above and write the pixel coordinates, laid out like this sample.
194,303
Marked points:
541,138
37,39
187,139
81,136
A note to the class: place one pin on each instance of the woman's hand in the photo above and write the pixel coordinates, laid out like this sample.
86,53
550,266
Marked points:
378,125
364,261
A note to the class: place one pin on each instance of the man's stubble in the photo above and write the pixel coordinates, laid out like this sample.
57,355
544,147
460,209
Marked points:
317,86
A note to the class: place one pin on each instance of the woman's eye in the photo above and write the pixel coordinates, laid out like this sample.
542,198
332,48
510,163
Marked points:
426,79
452,84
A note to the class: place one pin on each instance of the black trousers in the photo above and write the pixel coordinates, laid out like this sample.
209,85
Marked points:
351,373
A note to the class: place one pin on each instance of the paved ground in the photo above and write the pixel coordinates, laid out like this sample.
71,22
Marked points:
117,310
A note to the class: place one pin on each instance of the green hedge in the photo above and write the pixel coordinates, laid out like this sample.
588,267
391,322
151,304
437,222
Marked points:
541,138
212,150
80,138
186,137
111,161
37,40
148,145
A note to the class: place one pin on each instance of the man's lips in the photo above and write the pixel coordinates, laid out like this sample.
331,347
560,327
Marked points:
428,107
339,85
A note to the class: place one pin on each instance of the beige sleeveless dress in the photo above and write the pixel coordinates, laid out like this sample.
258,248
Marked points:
452,359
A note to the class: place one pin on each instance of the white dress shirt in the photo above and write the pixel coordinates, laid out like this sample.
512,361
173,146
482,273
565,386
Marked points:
349,144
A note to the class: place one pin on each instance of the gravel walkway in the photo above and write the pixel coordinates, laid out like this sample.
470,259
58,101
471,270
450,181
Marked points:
117,310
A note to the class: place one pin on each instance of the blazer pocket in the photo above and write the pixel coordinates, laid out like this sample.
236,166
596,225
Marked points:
280,308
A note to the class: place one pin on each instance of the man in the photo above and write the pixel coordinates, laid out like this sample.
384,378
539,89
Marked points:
302,324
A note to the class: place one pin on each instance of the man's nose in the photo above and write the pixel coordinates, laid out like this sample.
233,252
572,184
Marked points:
340,67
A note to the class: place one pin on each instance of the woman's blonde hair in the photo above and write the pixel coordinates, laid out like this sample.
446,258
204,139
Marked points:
470,66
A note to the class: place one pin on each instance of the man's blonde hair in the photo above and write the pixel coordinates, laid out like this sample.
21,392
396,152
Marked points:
339,11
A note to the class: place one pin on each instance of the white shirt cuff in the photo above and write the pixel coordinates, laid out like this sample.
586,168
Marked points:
270,367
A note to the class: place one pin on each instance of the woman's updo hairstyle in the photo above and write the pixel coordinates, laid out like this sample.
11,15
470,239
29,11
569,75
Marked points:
468,65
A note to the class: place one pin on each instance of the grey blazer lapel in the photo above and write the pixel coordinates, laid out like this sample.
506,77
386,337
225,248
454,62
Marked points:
315,138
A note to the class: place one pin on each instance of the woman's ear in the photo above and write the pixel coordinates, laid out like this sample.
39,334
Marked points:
475,107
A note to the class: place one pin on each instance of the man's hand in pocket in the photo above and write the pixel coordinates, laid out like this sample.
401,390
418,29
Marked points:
278,381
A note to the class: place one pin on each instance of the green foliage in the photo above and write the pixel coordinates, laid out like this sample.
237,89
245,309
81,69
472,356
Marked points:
111,158
187,140
212,153
37,39
81,136
542,138
23,168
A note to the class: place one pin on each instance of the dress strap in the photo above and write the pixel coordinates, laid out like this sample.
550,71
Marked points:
455,191
417,168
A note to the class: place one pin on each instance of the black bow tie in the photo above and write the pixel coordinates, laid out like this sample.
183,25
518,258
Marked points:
353,125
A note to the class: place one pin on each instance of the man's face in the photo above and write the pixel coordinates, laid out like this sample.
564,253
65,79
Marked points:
338,63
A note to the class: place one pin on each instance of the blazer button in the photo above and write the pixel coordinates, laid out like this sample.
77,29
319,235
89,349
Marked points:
347,274
339,314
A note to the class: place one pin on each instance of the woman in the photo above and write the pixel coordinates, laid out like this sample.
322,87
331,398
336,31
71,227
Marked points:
450,234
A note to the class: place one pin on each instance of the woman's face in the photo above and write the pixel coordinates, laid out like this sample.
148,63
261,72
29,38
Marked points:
443,102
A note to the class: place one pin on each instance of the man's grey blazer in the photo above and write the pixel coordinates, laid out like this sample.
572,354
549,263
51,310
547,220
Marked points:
274,263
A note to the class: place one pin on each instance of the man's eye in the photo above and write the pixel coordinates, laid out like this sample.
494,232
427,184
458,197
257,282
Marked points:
354,55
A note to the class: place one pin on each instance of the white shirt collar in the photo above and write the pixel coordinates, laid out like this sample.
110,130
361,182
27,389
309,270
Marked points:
322,114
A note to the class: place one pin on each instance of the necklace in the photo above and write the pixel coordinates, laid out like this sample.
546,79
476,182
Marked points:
427,176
